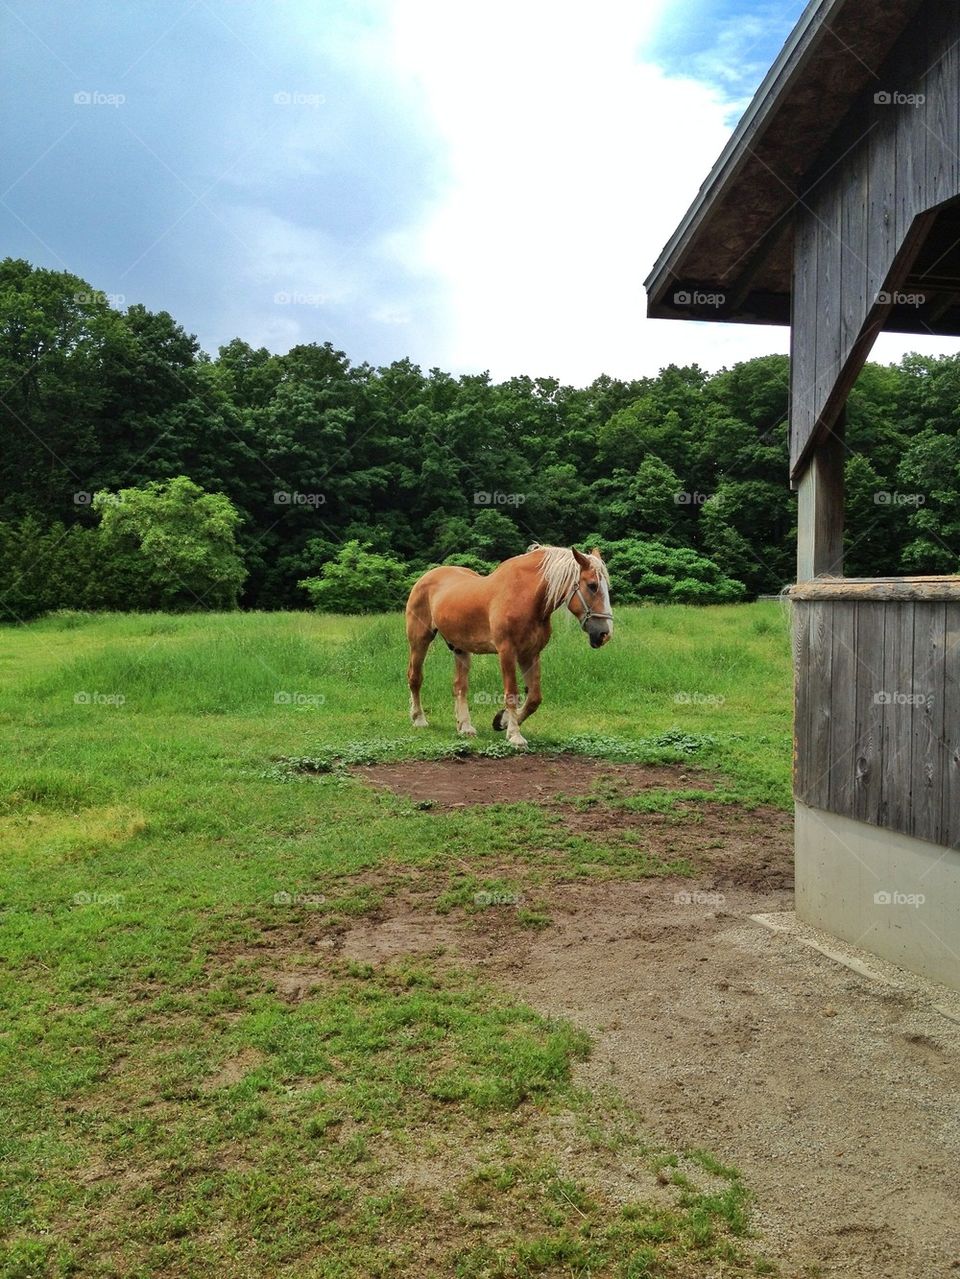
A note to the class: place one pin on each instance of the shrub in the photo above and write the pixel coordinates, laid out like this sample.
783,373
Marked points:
359,580
644,571
185,539
466,560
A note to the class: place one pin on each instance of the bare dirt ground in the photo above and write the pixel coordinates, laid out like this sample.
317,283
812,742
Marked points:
837,1096
456,783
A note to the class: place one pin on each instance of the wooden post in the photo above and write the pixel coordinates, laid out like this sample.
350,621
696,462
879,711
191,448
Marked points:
820,508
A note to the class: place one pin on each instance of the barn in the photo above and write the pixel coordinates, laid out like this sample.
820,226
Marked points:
834,209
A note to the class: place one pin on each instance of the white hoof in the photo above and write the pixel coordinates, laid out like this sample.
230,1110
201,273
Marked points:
466,730
419,721
518,741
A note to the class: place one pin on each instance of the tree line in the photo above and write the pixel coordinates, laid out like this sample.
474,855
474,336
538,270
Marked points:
136,471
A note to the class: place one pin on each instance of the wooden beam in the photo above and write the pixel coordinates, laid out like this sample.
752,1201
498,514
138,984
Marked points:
820,508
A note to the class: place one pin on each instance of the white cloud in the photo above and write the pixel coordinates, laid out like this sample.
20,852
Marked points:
571,164
572,160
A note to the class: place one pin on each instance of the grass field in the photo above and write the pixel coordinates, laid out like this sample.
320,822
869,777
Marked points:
167,1111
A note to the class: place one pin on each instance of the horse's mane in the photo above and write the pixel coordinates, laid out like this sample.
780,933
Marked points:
561,572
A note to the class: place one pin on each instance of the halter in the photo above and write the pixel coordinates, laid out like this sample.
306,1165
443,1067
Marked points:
588,612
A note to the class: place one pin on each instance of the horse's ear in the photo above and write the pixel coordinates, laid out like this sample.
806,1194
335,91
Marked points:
580,558
596,552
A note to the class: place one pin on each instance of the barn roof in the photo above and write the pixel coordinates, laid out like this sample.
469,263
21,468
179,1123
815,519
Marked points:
736,239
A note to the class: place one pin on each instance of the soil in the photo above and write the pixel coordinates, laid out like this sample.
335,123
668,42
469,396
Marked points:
837,1096
457,783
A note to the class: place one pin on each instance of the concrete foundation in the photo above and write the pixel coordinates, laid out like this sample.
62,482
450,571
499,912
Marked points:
892,894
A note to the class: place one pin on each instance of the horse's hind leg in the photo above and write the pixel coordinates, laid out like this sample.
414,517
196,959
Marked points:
460,678
531,680
420,637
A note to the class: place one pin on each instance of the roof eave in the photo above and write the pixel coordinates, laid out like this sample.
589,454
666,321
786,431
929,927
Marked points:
789,66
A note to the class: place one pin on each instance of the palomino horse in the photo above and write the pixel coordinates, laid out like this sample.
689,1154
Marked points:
507,613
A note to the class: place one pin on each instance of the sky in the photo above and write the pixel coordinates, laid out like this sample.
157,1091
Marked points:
472,187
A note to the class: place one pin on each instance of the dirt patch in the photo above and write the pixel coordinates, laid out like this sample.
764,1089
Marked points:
837,1097
537,779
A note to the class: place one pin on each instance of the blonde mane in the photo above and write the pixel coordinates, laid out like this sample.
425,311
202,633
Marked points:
561,572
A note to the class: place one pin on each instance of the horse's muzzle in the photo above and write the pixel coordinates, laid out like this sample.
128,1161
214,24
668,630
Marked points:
598,641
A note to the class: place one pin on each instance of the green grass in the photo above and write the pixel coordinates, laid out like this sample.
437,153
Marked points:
164,815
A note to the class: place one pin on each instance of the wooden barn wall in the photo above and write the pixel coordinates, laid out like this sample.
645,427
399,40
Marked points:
888,163
878,713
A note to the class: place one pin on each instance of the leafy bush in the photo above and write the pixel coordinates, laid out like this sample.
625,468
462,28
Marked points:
359,580
43,569
186,540
652,572
466,560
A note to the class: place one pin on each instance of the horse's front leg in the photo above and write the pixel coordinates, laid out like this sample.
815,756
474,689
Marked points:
531,680
460,683
508,717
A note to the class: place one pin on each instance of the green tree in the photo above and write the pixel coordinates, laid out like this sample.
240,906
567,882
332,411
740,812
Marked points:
186,539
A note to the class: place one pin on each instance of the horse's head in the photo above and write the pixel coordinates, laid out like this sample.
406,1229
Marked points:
589,600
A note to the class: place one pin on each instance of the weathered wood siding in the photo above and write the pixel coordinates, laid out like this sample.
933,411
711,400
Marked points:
877,731
860,217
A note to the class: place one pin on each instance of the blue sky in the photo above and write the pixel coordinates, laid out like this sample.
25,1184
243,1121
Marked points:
480,187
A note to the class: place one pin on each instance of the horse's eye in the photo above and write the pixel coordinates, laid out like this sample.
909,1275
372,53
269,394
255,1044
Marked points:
591,586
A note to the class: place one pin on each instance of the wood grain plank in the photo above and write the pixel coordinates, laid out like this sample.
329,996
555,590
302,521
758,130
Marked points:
844,745
819,706
878,588
941,113
803,335
927,750
829,286
800,631
854,272
950,811
911,132
881,201
896,718
868,677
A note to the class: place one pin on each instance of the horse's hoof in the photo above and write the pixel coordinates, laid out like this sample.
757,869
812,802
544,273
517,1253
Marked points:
420,721
467,731
498,724
518,743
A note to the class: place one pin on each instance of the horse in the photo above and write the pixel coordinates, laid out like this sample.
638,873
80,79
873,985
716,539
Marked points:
508,613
